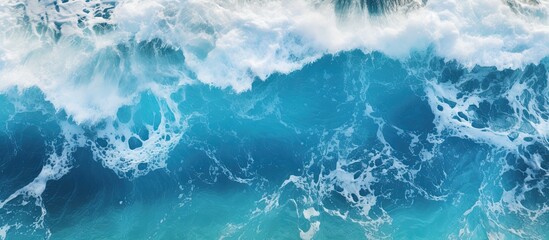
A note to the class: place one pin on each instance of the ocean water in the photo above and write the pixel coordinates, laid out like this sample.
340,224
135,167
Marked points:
218,119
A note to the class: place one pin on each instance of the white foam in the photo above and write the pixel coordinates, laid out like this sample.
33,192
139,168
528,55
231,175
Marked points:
127,162
244,40
314,226
229,43
310,212
526,119
309,234
4,231
57,165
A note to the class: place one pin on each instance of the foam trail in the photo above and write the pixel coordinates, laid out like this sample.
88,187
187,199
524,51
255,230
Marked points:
56,166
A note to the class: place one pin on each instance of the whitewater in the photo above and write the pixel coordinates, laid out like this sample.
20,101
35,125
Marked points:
277,119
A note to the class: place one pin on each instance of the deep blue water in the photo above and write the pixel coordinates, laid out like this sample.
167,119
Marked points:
352,136
353,145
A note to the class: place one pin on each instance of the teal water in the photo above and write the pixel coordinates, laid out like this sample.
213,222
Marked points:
359,143
353,145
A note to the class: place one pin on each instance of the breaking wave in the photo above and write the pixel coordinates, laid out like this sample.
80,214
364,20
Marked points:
364,112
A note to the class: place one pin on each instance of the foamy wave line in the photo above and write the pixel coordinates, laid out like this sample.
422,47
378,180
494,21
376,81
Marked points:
231,43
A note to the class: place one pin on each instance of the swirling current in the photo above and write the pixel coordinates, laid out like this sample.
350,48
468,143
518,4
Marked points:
274,119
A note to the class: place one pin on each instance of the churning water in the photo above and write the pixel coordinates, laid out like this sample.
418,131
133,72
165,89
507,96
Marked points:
281,119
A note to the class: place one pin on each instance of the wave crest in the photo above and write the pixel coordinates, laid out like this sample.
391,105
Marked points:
232,43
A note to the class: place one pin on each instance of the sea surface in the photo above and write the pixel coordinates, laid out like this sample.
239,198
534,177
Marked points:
274,119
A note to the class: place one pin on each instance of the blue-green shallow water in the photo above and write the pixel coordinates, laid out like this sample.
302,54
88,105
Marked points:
372,144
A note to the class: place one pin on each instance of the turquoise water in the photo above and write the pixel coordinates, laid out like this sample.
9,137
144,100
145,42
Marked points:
134,143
